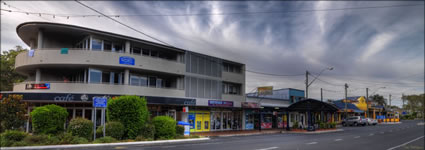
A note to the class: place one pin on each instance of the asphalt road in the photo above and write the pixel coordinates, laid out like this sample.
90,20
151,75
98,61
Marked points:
406,136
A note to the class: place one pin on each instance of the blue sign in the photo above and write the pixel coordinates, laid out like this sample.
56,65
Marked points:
404,113
99,102
191,119
127,60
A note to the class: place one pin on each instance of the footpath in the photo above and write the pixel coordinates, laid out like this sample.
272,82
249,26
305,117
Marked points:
257,132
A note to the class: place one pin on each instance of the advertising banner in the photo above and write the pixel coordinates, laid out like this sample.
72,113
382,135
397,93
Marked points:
37,86
220,103
250,105
127,60
265,90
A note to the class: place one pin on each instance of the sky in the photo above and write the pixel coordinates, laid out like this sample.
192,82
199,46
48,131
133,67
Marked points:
380,48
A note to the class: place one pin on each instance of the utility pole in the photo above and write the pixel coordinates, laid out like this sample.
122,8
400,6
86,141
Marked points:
367,102
345,110
306,84
321,94
390,101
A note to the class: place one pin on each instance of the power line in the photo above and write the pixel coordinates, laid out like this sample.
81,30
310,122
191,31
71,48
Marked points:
324,81
213,14
271,74
123,24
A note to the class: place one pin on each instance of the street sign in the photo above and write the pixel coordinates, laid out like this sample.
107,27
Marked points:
99,102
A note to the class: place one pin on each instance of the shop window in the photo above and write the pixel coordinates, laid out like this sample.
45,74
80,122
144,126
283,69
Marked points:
96,44
95,76
107,46
198,125
154,53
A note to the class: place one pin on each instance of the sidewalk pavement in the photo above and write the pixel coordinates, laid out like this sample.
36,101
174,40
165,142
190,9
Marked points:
87,146
257,132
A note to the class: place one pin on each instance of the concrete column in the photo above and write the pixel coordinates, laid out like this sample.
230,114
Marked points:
40,39
32,44
127,47
37,75
126,76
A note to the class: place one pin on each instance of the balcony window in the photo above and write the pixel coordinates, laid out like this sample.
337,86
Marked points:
154,53
96,44
145,52
107,45
136,50
134,80
152,81
159,83
95,76
118,48
231,88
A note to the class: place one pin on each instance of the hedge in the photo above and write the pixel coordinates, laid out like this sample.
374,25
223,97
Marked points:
11,136
81,127
165,127
48,119
148,131
131,111
114,129
179,130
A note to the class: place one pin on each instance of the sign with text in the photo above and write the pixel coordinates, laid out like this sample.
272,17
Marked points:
250,105
185,109
265,90
127,60
99,102
220,103
37,86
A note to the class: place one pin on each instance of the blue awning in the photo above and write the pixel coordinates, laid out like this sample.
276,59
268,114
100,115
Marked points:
183,123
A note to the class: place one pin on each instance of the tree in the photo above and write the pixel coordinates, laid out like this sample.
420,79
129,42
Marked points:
8,74
415,103
12,112
378,99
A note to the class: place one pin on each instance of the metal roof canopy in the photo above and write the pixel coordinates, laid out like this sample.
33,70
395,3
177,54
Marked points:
312,105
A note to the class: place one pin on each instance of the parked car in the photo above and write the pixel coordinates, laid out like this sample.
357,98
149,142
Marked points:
371,121
355,121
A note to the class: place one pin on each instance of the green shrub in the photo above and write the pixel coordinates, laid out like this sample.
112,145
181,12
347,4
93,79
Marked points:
113,129
79,140
106,139
20,143
179,130
142,138
131,111
9,137
295,125
165,127
81,127
148,131
68,138
48,119
39,139
322,125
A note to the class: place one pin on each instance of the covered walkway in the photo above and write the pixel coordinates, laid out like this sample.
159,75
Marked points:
314,108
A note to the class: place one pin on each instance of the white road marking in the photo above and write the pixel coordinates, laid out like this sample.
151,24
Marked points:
357,137
168,146
311,143
382,132
391,130
268,148
338,139
371,134
405,143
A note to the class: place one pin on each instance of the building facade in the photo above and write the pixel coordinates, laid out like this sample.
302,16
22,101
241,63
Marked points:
70,65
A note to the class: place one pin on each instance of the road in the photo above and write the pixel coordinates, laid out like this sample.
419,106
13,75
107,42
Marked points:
408,135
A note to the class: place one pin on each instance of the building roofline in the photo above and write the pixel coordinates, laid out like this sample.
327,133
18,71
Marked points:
113,34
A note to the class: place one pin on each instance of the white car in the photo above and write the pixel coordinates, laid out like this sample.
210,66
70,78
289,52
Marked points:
371,121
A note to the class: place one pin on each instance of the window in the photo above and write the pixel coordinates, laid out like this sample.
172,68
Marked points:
154,53
136,50
106,77
107,46
152,81
118,48
134,80
145,52
95,76
159,83
143,81
96,44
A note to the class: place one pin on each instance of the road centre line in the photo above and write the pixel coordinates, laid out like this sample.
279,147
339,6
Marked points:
405,143
311,143
357,137
268,148
338,139
371,134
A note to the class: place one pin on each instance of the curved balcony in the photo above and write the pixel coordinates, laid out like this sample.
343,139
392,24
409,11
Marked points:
118,89
79,57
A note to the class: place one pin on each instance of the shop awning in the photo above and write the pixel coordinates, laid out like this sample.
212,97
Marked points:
312,105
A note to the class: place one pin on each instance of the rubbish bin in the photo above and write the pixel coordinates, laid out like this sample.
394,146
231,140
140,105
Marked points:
186,127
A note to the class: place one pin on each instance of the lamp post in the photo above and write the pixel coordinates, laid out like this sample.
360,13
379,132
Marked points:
308,84
306,79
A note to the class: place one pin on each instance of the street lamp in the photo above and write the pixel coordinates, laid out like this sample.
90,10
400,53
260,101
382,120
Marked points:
308,84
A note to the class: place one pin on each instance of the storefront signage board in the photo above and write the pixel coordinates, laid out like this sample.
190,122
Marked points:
265,90
37,86
220,103
99,102
127,60
250,105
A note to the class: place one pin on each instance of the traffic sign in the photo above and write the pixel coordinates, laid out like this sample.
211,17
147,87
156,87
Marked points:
99,102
